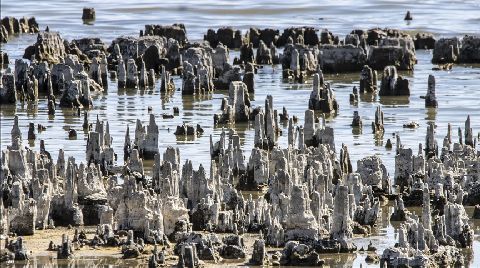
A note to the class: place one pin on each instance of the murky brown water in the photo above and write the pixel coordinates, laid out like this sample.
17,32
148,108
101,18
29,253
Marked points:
457,90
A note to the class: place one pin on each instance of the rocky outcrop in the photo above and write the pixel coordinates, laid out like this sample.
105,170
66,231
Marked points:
88,13
308,35
373,173
299,61
237,107
259,254
8,92
12,26
368,80
197,71
377,125
341,58
177,32
297,254
430,98
49,47
188,130
3,59
392,84
470,50
226,35
322,97
399,52
146,138
424,41
267,36
452,50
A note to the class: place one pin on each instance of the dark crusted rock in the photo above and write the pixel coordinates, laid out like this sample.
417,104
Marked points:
408,16
188,257
424,41
327,246
20,251
205,244
473,197
341,58
130,252
132,249
296,254
326,37
476,212
360,229
264,54
65,250
322,97
51,107
389,144
372,258
470,50
249,80
392,84
234,247
399,215
266,35
411,124
153,58
72,133
259,254
88,44
381,56
357,120
31,131
226,35
11,26
430,98
246,54
3,39
309,34
88,13
49,47
188,130
8,93
414,198
446,50
368,80
175,31
71,96
3,59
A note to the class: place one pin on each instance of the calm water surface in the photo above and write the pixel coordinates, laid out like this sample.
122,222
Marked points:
456,89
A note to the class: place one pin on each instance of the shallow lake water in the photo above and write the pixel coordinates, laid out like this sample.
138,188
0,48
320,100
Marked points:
457,89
